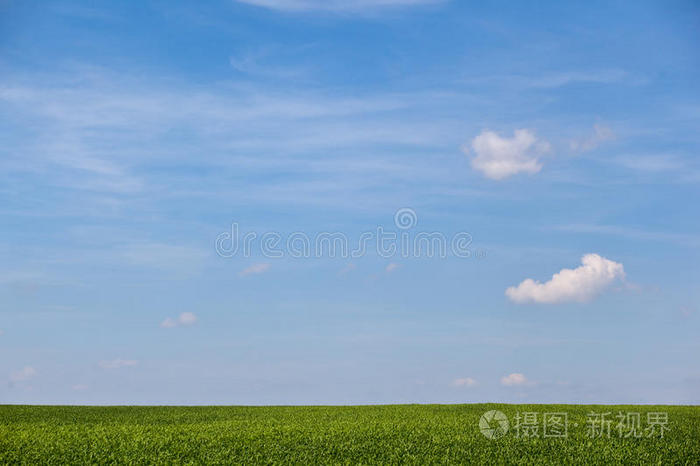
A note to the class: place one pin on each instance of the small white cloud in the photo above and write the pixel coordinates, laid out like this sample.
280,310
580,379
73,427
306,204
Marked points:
513,380
186,319
600,135
168,323
80,387
392,267
499,158
255,269
580,284
117,363
26,373
464,382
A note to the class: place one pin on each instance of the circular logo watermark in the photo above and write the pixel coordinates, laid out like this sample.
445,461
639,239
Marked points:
493,424
405,218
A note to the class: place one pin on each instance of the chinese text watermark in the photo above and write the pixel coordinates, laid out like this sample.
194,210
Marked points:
495,424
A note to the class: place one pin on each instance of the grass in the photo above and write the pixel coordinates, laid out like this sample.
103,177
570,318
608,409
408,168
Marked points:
417,434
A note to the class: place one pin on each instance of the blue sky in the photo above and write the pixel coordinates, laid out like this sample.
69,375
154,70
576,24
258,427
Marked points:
563,138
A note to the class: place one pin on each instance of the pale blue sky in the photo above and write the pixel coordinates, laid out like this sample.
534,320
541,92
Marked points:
133,134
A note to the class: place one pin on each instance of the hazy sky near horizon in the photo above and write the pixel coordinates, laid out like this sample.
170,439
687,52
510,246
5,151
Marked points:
561,138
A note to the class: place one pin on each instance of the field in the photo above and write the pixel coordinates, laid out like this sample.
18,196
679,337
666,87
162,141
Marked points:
416,434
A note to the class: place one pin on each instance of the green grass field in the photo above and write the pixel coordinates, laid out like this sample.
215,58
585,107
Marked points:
415,434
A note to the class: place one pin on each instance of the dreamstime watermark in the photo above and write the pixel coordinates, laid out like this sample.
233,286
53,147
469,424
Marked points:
630,424
403,241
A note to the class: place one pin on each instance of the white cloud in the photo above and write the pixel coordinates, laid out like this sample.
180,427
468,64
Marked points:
185,319
499,158
342,6
513,379
464,382
579,284
27,372
80,387
254,269
117,363
392,267
600,135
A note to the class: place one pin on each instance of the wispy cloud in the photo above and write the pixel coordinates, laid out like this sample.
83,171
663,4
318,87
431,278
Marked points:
599,135
163,256
464,382
254,65
117,363
559,79
632,233
255,269
392,267
339,6
651,163
514,379
556,79
663,167
26,373
185,319
687,311
106,132
347,269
